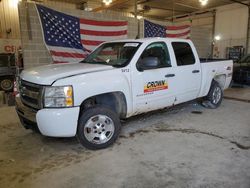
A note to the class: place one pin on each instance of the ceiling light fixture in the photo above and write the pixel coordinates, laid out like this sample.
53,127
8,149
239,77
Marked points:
203,2
217,37
139,17
107,2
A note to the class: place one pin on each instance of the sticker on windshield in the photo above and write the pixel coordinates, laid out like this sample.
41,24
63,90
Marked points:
131,44
155,86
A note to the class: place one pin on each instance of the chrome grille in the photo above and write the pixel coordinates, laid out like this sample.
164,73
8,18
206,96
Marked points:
30,94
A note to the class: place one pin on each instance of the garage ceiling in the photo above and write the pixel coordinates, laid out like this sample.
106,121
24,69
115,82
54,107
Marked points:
157,9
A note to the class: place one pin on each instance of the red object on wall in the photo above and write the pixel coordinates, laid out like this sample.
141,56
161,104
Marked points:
10,48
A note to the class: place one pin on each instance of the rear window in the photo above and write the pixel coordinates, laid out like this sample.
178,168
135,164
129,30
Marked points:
183,53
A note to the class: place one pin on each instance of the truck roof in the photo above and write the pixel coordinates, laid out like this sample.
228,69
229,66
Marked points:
151,39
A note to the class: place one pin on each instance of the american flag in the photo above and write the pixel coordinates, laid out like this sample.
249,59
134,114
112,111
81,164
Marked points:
155,30
71,39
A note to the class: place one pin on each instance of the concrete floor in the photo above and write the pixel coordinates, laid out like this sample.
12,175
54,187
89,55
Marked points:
233,93
186,146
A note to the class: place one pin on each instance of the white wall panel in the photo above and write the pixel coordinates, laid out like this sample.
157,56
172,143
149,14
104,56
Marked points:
231,25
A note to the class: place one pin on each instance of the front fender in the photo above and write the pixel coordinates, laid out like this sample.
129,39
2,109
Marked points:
91,84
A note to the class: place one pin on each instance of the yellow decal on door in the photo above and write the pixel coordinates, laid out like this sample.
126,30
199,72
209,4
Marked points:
155,86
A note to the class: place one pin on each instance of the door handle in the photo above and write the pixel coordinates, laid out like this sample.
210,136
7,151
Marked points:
195,71
169,75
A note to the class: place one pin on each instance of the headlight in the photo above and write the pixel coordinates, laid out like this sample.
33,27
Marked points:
58,96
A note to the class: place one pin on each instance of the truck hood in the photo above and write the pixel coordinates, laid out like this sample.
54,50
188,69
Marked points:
47,74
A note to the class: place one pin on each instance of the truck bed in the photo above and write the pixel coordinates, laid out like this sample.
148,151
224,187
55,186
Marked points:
211,69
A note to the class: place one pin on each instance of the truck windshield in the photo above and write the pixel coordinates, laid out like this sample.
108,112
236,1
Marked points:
117,54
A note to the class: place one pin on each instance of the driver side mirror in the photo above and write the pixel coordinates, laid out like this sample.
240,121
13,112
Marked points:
148,63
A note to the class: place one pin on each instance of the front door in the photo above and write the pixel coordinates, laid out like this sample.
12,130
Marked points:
152,88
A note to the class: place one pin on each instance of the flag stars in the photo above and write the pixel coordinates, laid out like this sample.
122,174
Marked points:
60,29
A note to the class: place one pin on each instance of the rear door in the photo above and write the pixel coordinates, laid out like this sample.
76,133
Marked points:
151,88
187,72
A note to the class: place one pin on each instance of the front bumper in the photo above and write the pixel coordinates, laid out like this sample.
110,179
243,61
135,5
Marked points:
54,122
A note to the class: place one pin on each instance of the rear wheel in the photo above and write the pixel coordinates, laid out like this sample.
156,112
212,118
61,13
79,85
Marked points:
214,98
98,127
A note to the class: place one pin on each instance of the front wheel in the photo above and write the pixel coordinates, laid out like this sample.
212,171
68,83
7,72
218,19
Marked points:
215,95
98,127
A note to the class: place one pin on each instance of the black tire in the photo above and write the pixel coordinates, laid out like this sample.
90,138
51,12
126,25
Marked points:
7,84
91,116
214,98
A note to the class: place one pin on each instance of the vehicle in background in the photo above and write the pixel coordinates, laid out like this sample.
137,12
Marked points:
7,71
241,73
118,80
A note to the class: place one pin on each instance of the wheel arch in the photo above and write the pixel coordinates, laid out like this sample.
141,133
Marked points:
116,101
220,79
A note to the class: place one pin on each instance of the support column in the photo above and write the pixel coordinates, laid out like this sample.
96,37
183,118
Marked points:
248,32
213,34
138,21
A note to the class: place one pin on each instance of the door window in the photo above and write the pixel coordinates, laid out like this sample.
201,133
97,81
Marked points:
160,51
183,53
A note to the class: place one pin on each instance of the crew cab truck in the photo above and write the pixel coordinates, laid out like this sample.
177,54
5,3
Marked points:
117,80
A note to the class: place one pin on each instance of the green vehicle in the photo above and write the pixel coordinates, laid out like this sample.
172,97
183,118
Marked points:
7,71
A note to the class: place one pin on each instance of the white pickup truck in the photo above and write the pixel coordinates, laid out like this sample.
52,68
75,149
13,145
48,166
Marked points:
118,80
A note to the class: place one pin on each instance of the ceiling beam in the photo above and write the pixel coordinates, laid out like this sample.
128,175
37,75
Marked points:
113,4
188,6
236,1
211,10
169,9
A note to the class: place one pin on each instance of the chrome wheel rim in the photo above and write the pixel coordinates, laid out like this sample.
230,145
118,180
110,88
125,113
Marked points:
216,95
99,129
6,84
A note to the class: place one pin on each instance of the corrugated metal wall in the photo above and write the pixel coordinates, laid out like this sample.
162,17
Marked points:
9,19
